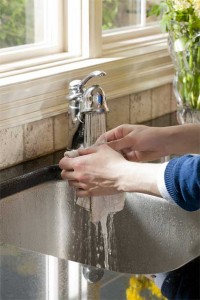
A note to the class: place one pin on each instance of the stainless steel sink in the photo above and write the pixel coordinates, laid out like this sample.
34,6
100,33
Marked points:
149,236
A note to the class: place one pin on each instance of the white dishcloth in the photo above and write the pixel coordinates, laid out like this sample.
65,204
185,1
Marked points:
99,206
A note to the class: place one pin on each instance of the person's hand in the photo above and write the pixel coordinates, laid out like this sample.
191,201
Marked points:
137,142
96,171
143,143
101,170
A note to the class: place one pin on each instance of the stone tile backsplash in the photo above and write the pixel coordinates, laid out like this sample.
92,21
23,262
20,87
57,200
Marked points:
160,101
38,138
45,136
140,107
12,146
61,132
119,112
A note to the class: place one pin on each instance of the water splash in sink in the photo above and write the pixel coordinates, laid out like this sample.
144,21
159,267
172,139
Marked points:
102,207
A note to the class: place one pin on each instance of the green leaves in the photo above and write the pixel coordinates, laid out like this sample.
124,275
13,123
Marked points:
166,10
154,11
158,10
110,13
165,22
12,23
184,41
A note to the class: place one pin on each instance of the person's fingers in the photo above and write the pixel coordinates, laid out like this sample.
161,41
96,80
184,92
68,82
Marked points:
119,132
68,175
86,151
82,193
139,156
113,134
66,163
108,136
130,154
78,184
121,144
101,140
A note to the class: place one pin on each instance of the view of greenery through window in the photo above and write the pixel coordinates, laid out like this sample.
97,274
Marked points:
117,13
17,19
122,13
16,23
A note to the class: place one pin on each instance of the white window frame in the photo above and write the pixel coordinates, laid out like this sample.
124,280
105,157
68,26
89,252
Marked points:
135,59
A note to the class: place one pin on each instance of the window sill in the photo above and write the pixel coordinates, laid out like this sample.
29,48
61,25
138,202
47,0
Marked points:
38,92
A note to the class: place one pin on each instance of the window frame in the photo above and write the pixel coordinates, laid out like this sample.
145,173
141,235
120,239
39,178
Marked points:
135,59
90,43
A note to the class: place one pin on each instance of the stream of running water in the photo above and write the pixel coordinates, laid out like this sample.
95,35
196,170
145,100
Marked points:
95,126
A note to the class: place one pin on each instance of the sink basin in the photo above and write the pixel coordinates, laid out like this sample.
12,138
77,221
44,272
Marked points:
150,235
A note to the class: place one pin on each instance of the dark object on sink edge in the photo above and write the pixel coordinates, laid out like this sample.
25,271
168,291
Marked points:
28,180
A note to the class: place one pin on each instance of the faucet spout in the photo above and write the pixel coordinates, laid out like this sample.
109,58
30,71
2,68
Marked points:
91,75
94,100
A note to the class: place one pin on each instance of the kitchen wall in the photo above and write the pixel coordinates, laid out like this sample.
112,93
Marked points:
45,136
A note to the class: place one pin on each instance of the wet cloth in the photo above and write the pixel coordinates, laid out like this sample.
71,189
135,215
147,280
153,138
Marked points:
99,206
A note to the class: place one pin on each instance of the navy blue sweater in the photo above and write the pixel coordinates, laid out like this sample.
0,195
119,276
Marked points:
182,180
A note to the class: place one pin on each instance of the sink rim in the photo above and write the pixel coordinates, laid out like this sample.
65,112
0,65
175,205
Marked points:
28,180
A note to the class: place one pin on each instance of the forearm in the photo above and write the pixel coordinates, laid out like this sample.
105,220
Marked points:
182,139
103,171
139,177
177,181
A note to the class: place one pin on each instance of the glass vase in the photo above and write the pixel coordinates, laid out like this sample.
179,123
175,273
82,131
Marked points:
186,113
184,48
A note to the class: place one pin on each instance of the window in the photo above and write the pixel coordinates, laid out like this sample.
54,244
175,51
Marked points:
30,28
44,44
117,13
125,26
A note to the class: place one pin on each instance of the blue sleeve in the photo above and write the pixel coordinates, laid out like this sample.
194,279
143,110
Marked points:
182,180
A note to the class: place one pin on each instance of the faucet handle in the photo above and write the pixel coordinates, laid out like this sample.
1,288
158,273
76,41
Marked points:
74,90
91,75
